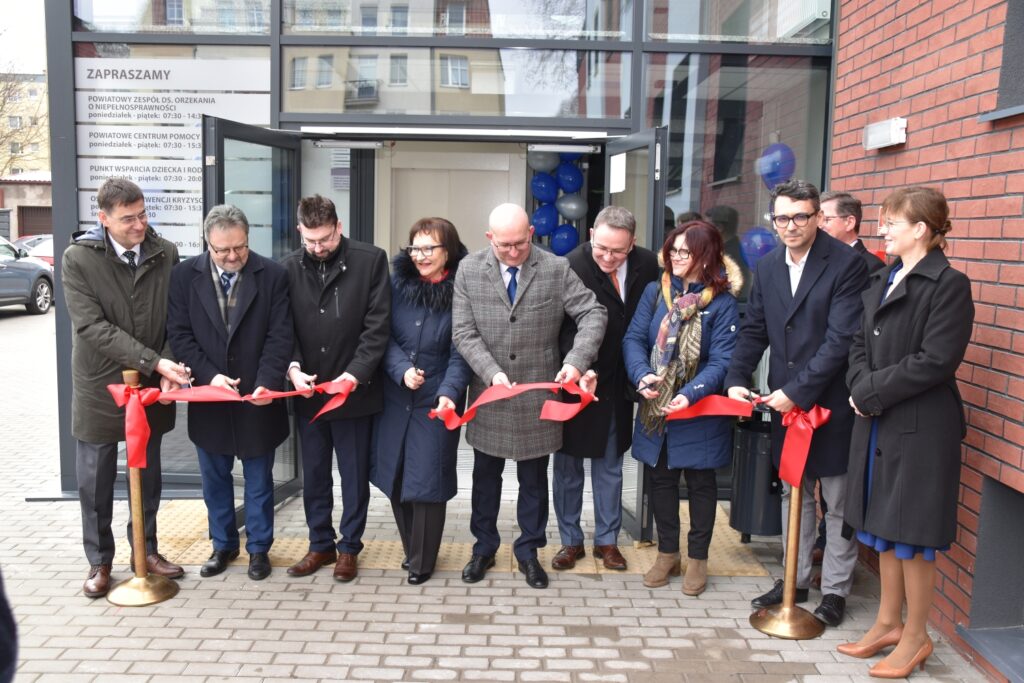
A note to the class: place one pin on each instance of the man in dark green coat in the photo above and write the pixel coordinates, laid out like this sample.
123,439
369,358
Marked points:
115,286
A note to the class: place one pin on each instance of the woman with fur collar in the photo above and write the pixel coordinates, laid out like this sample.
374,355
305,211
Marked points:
414,457
677,350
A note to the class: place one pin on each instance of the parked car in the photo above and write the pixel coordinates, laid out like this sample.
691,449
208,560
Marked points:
24,279
29,241
43,250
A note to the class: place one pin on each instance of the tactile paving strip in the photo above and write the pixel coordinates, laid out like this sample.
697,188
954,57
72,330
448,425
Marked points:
183,540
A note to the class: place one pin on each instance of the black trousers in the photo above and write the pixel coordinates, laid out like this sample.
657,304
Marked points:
531,507
703,498
420,526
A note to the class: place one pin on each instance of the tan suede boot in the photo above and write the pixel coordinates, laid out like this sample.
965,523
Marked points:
696,579
665,566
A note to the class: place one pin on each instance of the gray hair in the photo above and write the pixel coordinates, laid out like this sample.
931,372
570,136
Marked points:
616,217
846,205
225,216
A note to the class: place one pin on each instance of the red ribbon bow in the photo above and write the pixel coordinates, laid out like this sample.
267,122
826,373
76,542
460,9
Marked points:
555,411
136,427
800,426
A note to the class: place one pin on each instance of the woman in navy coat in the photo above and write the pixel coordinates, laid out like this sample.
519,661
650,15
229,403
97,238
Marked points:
904,475
677,350
414,457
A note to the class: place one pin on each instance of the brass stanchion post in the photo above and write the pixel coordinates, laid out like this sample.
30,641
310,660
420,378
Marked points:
787,620
144,588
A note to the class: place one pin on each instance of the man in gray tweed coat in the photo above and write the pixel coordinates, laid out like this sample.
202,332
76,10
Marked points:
509,304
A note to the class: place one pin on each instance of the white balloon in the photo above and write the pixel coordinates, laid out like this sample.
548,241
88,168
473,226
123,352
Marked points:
572,206
542,161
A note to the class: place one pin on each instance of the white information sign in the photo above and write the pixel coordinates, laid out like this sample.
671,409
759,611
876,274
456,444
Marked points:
174,142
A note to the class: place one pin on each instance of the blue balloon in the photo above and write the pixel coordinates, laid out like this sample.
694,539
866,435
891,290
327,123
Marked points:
776,165
565,239
755,243
570,156
545,219
570,179
544,187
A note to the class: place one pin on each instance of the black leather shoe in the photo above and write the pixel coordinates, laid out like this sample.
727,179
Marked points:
536,577
831,609
405,564
259,566
416,579
477,567
774,596
218,562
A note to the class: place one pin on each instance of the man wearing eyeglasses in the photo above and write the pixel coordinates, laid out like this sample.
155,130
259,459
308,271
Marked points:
840,217
229,320
341,304
510,301
805,307
115,285
617,271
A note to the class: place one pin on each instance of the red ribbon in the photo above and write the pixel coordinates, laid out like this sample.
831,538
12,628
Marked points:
714,405
136,427
341,390
800,426
555,411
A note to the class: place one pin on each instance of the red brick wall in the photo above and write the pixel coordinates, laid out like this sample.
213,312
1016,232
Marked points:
936,63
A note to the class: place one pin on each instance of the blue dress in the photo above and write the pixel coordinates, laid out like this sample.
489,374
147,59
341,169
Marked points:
903,551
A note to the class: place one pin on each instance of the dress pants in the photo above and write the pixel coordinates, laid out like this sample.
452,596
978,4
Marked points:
702,492
349,439
219,495
96,469
531,508
840,553
420,525
605,479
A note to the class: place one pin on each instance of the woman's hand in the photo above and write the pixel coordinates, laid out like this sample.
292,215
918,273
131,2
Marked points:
678,402
443,403
856,409
413,378
646,386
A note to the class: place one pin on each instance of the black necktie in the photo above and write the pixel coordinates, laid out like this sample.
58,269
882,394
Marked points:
512,270
225,281
130,255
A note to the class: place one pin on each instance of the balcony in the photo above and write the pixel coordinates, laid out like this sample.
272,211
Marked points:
362,92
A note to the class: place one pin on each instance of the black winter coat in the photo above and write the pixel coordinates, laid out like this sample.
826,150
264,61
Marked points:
809,335
341,323
257,351
903,366
586,435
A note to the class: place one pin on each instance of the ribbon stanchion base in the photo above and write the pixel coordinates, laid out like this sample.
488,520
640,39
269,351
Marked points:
791,623
140,591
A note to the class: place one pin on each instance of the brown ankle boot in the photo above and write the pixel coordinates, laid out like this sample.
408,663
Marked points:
665,566
696,579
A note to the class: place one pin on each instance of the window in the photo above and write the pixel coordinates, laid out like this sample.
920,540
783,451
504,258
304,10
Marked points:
33,93
14,122
256,19
325,71
399,70
455,19
304,17
174,13
16,170
298,73
34,147
34,121
368,17
454,71
15,148
399,20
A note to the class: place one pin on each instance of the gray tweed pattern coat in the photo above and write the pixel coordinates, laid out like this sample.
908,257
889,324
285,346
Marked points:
521,340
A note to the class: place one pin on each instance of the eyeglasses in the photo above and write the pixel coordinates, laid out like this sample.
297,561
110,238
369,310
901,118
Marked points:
798,219
826,219
237,251
422,250
324,243
608,250
128,221
681,254
518,246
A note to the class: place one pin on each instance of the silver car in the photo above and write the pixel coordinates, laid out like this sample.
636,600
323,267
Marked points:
24,280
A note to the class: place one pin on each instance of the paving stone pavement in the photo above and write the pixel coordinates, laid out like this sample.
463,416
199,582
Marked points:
583,628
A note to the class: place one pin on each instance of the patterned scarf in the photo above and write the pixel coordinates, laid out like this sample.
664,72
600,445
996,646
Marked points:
676,351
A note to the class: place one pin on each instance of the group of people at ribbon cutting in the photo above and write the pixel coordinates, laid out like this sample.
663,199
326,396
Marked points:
648,333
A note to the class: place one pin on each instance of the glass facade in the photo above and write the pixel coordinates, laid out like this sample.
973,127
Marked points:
173,16
755,21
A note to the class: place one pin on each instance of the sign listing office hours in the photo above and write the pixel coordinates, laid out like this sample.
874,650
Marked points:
142,119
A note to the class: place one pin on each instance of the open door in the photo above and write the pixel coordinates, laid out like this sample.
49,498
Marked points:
257,170
635,180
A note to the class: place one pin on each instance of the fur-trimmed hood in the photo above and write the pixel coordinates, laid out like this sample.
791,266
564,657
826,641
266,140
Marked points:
734,274
434,296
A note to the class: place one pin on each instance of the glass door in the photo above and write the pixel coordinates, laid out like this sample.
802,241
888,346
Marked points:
257,170
635,180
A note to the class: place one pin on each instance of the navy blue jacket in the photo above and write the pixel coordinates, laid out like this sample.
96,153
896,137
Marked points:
702,442
257,351
810,336
404,438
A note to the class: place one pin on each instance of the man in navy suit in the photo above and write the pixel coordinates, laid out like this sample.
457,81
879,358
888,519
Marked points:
229,320
805,305
840,217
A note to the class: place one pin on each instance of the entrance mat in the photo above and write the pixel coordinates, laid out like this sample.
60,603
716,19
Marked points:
184,540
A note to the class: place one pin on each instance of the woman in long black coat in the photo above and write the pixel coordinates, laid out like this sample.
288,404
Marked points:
905,451
414,457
